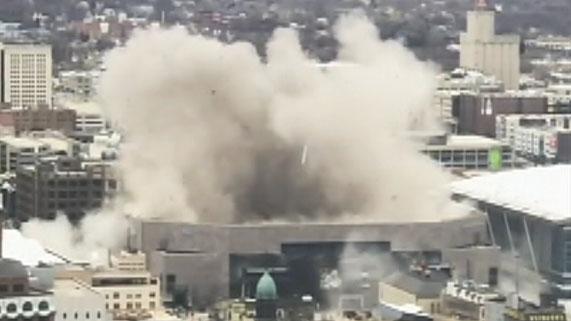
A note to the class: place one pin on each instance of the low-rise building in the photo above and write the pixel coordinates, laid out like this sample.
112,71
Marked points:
541,137
38,119
128,294
419,288
78,301
18,301
470,152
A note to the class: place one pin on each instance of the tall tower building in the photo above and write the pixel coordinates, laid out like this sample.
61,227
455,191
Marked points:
26,75
481,49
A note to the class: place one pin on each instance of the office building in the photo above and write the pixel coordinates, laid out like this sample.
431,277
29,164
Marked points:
528,212
27,150
481,49
20,151
27,75
62,185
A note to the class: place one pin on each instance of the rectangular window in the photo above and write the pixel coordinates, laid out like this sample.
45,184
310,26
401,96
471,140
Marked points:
116,295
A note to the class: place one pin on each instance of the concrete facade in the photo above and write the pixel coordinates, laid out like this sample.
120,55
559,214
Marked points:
198,255
481,49
27,75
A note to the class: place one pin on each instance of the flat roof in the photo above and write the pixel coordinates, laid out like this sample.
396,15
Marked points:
21,142
543,192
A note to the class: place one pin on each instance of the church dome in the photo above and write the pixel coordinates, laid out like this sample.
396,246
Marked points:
266,288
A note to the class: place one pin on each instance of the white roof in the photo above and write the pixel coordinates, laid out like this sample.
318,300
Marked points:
28,251
21,142
540,191
472,141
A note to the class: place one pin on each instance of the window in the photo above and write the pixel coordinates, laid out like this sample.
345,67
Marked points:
11,308
98,315
87,315
129,305
129,296
152,305
116,306
18,288
138,296
3,288
116,295
43,306
75,315
152,294
64,315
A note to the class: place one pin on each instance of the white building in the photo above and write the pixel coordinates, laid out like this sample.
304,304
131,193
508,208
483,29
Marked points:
470,152
27,77
481,49
77,301
81,83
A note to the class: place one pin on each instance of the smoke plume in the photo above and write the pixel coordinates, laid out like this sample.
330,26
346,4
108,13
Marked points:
213,134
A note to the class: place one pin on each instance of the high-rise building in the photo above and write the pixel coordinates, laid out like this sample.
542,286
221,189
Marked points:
481,49
26,74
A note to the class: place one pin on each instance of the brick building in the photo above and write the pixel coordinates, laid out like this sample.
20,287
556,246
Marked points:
23,120
476,113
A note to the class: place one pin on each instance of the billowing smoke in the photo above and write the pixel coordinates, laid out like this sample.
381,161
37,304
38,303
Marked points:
213,134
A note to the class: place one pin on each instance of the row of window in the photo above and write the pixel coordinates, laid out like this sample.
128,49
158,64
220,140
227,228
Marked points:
27,306
76,315
4,288
117,295
130,305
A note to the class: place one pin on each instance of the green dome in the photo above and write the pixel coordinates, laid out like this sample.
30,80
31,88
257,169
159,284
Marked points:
266,288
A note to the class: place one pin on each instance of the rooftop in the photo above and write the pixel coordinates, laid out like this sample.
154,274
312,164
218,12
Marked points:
418,284
538,191
21,142
28,251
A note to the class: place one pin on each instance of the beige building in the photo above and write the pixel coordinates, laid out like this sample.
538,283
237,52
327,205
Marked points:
129,289
27,76
481,49
415,289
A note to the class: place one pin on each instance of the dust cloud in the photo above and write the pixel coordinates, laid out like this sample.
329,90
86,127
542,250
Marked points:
214,134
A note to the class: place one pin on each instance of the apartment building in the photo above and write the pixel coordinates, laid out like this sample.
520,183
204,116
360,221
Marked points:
539,137
27,75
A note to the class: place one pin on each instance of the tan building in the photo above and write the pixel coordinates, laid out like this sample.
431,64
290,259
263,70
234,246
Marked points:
128,294
481,49
27,75
418,289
